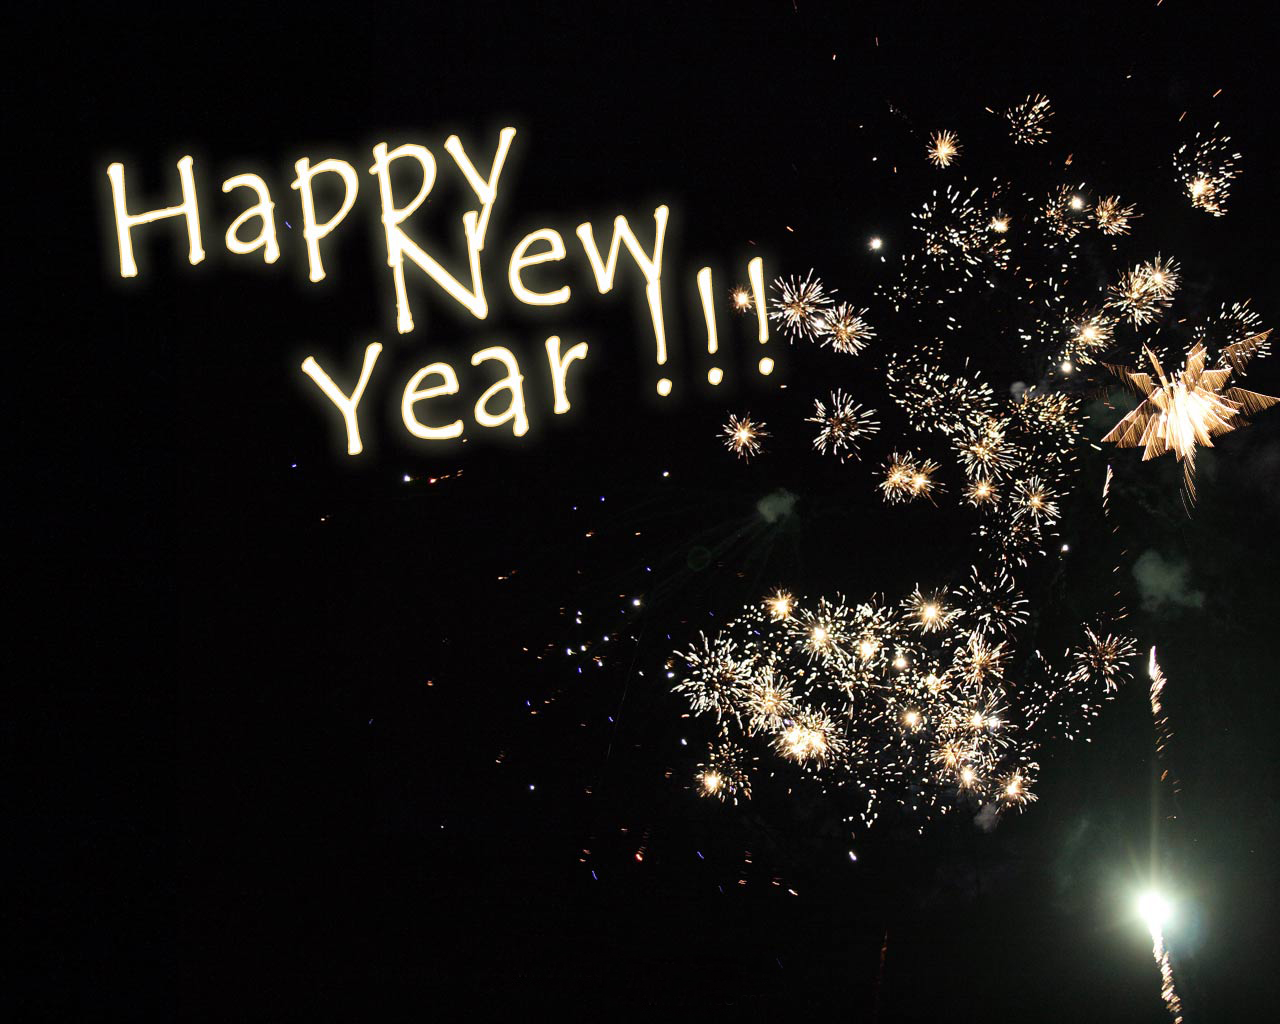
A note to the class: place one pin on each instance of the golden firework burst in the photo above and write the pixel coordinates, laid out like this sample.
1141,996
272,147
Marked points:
1188,408
742,436
944,147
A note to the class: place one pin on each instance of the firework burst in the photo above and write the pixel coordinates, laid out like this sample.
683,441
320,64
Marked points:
1103,658
907,478
1089,332
1113,216
1206,167
743,436
799,307
1033,499
725,775
1029,121
845,329
1188,408
944,147
842,425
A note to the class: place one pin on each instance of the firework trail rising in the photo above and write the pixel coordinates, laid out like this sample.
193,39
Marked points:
1168,992
1161,720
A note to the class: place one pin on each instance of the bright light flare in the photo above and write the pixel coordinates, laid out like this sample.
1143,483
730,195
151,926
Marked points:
1154,910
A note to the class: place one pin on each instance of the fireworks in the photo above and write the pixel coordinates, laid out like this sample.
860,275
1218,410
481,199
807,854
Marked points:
927,613
1029,121
1090,332
986,453
1206,168
724,775
1032,499
1102,658
935,400
742,436
995,604
956,232
1015,789
981,492
769,702
1154,911
906,478
740,299
1065,210
1237,331
979,660
1145,292
941,697
717,677
845,330
1112,216
1186,409
842,425
799,306
944,147
780,604
811,737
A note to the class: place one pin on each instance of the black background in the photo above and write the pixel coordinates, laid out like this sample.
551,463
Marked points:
294,692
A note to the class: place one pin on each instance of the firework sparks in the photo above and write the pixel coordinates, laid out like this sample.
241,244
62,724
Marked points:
1181,411
740,299
979,660
1065,210
842,425
940,699
1206,167
995,604
1103,658
717,677
944,147
1154,911
1090,332
980,493
780,604
770,702
906,479
927,613
725,775
799,306
742,436
1145,292
1029,121
986,453
937,400
1113,216
845,329
1034,500
812,737
956,232
1236,330
1015,788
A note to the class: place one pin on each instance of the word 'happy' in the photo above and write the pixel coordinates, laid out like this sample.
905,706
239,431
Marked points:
544,245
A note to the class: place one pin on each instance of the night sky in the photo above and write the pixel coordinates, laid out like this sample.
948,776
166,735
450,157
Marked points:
325,755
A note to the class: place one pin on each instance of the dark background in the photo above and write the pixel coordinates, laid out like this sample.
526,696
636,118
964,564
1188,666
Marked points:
325,755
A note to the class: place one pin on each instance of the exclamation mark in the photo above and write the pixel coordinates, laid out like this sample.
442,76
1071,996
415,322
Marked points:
715,375
755,271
